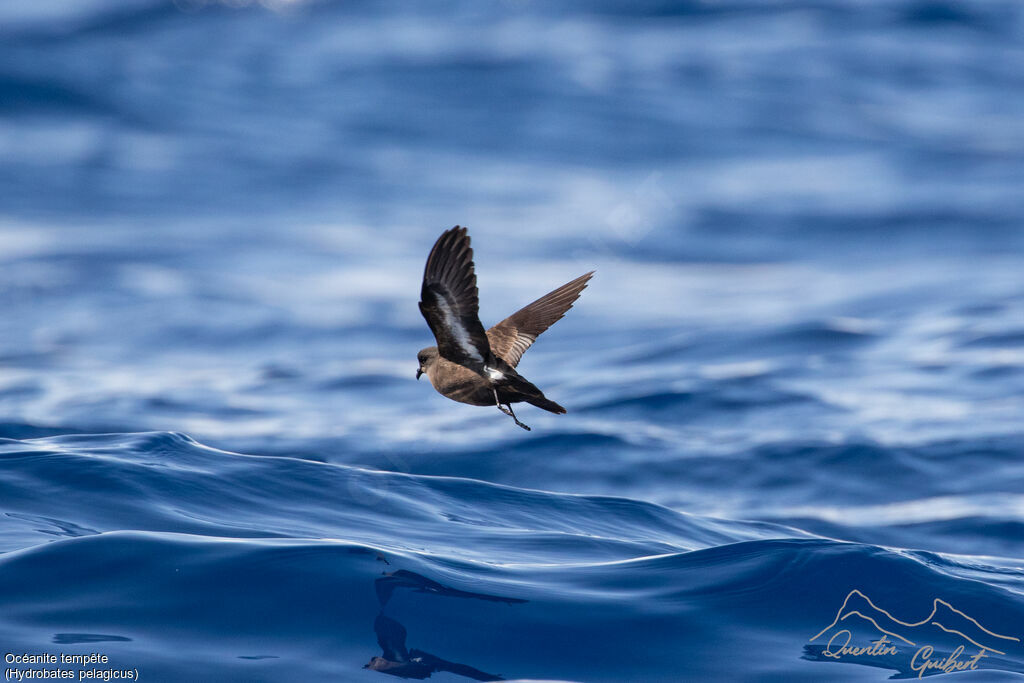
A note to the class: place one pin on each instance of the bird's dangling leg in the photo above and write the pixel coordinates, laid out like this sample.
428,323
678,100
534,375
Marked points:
507,409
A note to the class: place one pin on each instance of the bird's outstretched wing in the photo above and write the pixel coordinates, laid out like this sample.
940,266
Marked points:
450,303
510,338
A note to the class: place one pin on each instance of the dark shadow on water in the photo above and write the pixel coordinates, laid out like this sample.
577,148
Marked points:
391,581
399,661
71,638
396,658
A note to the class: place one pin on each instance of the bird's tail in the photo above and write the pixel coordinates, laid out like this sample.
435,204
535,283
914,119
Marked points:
526,391
547,404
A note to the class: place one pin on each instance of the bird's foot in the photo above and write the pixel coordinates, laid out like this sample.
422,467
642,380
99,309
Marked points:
508,411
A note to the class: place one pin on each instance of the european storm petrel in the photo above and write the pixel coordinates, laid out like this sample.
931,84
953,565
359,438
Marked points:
468,364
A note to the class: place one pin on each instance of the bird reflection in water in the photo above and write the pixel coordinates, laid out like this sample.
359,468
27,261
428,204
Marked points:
396,659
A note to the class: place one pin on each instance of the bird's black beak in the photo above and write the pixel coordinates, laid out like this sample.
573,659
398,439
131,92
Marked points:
419,371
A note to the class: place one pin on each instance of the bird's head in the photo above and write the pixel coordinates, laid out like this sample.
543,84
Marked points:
427,357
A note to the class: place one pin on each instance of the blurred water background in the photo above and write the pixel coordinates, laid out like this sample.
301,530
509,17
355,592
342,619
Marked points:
799,370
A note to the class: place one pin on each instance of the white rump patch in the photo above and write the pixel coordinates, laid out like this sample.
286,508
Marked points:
458,331
494,374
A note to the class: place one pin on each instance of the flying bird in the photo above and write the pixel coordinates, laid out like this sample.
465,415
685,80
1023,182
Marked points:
471,365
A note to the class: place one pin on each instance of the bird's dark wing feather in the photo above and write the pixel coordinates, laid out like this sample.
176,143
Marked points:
391,638
510,338
450,303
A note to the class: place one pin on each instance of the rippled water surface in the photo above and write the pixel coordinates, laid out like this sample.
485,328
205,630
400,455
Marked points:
795,385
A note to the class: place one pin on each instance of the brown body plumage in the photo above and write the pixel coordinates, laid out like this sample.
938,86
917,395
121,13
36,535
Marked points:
469,364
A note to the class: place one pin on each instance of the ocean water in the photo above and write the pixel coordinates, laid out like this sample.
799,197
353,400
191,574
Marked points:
795,386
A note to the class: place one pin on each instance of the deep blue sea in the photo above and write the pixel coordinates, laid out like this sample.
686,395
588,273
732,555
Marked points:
795,387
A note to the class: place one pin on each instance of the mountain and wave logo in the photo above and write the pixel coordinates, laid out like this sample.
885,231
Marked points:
946,640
